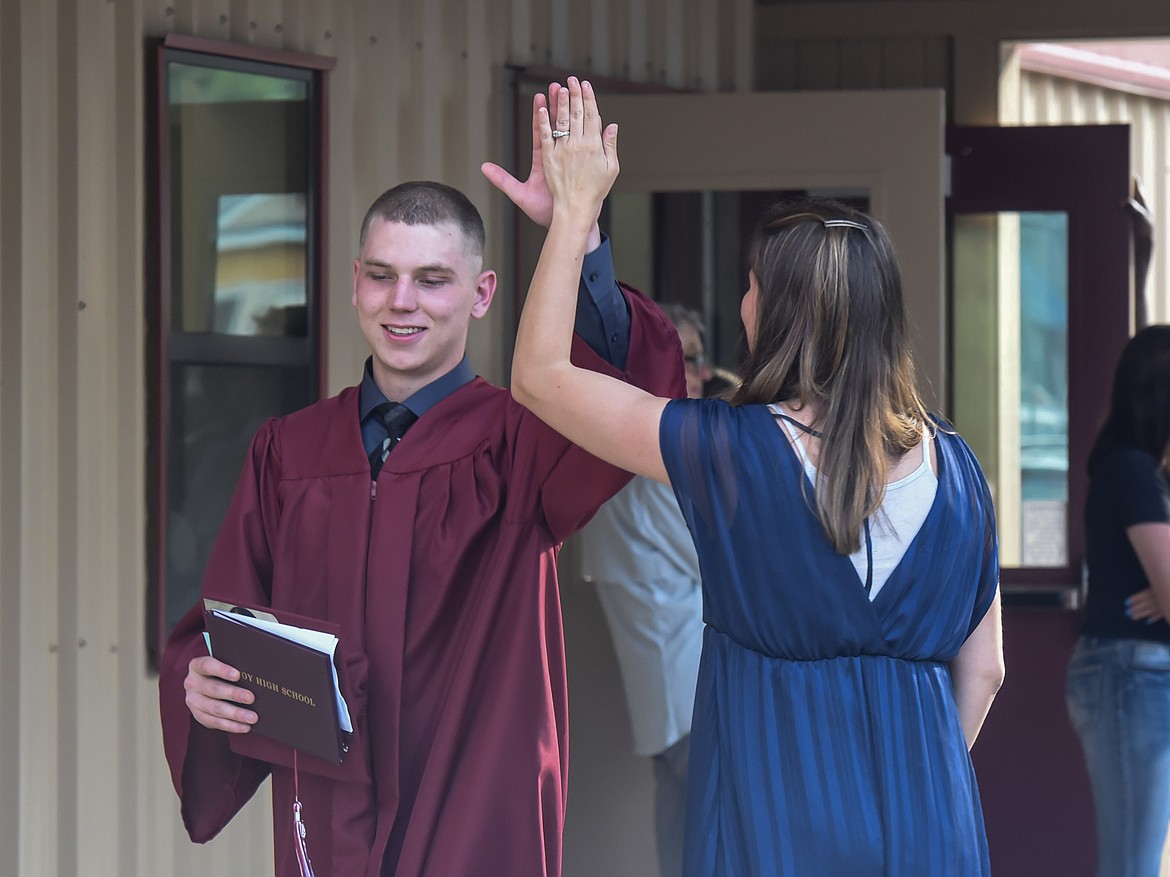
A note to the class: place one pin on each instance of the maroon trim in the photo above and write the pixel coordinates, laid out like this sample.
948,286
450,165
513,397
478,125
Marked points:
320,313
1083,171
162,256
248,52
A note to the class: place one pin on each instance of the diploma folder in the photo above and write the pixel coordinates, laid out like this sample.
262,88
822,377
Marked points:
297,700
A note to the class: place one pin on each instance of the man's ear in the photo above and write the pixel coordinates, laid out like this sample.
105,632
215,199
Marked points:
357,266
485,290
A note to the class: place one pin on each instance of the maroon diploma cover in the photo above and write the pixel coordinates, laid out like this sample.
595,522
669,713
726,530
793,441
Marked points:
294,684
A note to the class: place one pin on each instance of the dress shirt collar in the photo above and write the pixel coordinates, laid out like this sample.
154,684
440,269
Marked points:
370,395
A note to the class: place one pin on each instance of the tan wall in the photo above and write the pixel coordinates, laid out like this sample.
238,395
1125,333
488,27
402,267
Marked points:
905,43
421,89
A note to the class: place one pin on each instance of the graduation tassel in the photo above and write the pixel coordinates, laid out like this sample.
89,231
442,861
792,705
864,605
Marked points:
306,867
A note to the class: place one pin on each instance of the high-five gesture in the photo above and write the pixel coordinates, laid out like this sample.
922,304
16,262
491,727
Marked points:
580,162
579,155
532,196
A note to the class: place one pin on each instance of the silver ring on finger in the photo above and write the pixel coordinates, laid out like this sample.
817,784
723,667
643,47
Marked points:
557,135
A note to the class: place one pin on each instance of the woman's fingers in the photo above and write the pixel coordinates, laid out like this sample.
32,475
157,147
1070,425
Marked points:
564,102
591,118
1143,607
576,110
573,108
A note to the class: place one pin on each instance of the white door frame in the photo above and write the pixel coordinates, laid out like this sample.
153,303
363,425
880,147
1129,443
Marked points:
890,143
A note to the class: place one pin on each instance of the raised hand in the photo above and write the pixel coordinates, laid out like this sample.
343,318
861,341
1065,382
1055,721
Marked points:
531,196
579,155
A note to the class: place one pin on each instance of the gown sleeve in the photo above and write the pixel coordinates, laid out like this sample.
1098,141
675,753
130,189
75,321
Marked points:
574,483
212,782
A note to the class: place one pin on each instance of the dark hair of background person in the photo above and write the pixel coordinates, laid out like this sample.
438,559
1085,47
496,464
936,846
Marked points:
1139,408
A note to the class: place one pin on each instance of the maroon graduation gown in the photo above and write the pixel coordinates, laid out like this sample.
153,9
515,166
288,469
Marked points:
442,577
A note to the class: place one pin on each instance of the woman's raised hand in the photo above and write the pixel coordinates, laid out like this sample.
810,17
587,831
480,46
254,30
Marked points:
580,156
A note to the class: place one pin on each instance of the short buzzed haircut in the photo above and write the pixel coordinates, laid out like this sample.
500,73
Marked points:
423,202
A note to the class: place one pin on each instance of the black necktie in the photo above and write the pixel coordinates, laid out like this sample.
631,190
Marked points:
396,418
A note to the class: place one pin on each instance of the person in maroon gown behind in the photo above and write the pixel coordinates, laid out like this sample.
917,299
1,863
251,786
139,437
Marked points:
438,565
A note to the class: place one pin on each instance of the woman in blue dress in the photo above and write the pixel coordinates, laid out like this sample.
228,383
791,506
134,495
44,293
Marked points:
846,542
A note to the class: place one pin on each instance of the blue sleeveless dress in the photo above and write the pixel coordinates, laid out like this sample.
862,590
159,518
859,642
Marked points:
826,741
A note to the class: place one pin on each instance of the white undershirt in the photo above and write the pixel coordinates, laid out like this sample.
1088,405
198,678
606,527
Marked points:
903,510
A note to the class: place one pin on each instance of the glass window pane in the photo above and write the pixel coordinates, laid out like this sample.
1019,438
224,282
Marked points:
238,190
1011,373
214,412
195,84
260,265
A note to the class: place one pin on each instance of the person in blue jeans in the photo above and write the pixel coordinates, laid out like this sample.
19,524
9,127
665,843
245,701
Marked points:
1119,676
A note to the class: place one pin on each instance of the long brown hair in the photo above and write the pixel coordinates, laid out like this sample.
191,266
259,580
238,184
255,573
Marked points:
831,331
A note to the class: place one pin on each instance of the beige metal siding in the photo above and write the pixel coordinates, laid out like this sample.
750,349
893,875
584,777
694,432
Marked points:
420,90
824,63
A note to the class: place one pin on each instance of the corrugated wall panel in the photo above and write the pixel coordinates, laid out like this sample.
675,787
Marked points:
11,459
38,372
10,433
1049,100
813,63
420,89
89,295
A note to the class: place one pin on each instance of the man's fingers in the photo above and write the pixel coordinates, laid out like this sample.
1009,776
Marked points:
213,698
221,716
609,143
206,665
214,701
538,103
214,688
545,127
501,179
551,104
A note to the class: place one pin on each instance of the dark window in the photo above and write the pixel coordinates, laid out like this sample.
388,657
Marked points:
236,266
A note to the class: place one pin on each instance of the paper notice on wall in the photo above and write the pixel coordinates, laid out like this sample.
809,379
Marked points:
1045,537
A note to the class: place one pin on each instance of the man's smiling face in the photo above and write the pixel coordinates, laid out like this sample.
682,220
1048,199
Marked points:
416,289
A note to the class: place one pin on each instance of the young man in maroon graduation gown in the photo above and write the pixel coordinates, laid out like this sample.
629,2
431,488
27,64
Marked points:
440,571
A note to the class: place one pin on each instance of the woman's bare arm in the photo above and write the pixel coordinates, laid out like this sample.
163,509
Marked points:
607,417
977,672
